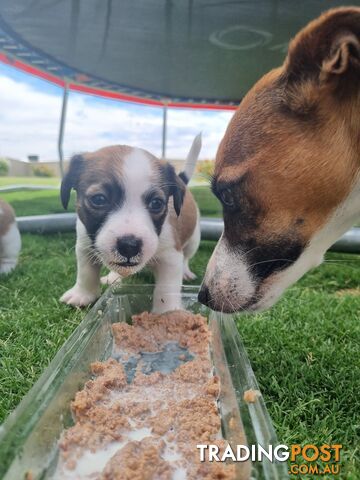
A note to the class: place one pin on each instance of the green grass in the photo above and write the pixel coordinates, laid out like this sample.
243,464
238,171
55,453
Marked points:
39,202
304,351
47,201
209,204
53,181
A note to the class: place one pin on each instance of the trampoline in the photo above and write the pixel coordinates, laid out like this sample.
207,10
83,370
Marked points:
168,53
194,53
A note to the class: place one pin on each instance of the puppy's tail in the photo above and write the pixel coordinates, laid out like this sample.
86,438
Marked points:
191,160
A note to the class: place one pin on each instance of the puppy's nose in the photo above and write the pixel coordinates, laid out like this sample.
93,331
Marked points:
129,246
204,296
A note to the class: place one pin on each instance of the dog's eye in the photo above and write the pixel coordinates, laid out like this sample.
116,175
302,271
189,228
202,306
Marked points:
227,197
98,200
156,205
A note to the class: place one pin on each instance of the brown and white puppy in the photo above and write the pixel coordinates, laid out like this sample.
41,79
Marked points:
10,241
133,210
288,168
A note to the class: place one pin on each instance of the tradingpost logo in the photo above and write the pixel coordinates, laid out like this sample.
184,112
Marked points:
303,460
319,460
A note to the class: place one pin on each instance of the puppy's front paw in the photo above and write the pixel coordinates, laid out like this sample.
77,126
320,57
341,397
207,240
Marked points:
187,273
7,266
78,297
110,278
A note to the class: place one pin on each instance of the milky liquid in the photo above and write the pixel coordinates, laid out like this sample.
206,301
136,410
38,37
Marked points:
91,464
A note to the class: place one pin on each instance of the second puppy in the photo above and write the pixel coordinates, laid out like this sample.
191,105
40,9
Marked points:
10,240
133,210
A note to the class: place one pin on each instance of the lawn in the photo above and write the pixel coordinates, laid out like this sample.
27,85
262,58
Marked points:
304,351
52,181
39,202
29,202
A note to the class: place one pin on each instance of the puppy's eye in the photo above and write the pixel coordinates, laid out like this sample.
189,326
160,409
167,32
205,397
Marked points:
98,200
227,197
156,205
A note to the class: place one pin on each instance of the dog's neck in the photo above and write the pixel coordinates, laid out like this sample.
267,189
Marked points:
343,218
352,115
348,211
352,209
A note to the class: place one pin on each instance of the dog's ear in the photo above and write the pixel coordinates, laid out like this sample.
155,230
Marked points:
327,50
176,187
71,179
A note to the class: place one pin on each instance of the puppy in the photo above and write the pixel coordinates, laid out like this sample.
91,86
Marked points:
133,210
288,168
10,241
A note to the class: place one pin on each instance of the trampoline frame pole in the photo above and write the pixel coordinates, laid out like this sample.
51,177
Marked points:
62,129
211,229
164,130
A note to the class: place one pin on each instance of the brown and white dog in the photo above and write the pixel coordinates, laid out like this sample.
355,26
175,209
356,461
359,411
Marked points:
10,241
133,210
288,168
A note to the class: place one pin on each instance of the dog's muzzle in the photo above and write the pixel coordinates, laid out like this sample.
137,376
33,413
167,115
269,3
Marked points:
129,248
204,296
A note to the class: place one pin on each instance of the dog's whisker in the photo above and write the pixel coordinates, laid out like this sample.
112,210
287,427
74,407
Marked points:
251,250
271,260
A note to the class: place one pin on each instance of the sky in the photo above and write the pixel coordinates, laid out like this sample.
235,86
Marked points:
30,112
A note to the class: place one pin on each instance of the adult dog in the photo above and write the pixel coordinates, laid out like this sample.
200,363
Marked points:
288,168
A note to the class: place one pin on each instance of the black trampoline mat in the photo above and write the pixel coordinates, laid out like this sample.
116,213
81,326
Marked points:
176,49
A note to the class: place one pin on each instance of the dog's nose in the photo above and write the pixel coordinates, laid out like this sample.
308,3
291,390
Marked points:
204,296
129,246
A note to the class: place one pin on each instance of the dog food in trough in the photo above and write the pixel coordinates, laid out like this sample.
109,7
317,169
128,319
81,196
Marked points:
148,406
111,405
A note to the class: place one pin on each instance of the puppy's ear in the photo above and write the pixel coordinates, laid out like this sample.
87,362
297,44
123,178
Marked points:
176,187
71,179
327,50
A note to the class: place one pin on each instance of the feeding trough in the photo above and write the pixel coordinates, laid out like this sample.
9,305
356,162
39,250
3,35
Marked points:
30,436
